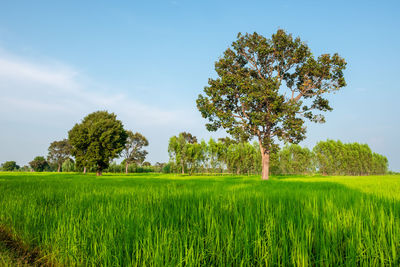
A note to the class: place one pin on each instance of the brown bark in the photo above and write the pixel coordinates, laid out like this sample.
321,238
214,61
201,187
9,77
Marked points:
265,166
126,168
265,162
84,170
59,167
99,173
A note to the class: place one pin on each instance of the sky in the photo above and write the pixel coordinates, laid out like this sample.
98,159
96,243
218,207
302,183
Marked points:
147,61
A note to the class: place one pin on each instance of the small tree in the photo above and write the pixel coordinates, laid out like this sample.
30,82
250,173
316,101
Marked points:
294,159
146,164
178,149
68,165
10,166
97,140
39,164
267,87
195,155
59,151
133,151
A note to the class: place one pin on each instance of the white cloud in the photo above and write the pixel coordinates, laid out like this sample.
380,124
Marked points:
50,97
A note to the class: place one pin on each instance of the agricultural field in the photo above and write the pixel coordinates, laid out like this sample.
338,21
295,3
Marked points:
159,219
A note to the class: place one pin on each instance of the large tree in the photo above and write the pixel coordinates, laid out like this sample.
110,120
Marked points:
59,151
133,151
266,88
97,140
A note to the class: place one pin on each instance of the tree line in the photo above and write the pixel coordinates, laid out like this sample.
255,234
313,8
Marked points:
225,155
92,145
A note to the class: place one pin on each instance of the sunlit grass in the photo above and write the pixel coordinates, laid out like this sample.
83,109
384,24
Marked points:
156,219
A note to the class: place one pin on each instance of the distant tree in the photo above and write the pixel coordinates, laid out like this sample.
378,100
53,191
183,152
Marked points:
133,151
213,151
195,155
10,166
296,160
335,158
266,88
39,164
167,168
97,140
146,164
68,165
379,164
25,168
178,149
114,167
59,151
159,166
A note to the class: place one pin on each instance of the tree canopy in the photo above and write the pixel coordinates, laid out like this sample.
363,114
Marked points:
266,88
59,151
133,151
97,140
9,166
39,164
185,151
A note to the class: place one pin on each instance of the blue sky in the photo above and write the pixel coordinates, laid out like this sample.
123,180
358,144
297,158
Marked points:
147,61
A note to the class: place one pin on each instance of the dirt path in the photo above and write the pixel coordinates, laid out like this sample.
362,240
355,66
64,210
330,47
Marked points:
14,252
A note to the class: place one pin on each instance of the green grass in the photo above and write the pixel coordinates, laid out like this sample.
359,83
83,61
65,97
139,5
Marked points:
160,220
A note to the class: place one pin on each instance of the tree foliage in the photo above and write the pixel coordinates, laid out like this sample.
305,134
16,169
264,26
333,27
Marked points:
97,140
68,165
39,164
226,155
266,88
335,158
10,166
133,151
183,150
59,151
293,159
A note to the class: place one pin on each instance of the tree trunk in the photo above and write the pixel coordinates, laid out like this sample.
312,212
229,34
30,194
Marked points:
183,168
126,168
84,170
265,162
265,166
59,167
99,173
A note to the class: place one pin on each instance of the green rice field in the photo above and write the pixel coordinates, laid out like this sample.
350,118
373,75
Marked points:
173,220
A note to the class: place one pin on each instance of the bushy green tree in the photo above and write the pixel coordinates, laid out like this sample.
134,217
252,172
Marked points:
335,158
178,149
266,88
114,167
68,165
9,166
97,140
133,151
215,154
59,151
379,164
195,155
293,159
39,164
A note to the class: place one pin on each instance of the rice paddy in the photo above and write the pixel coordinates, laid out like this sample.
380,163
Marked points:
173,220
